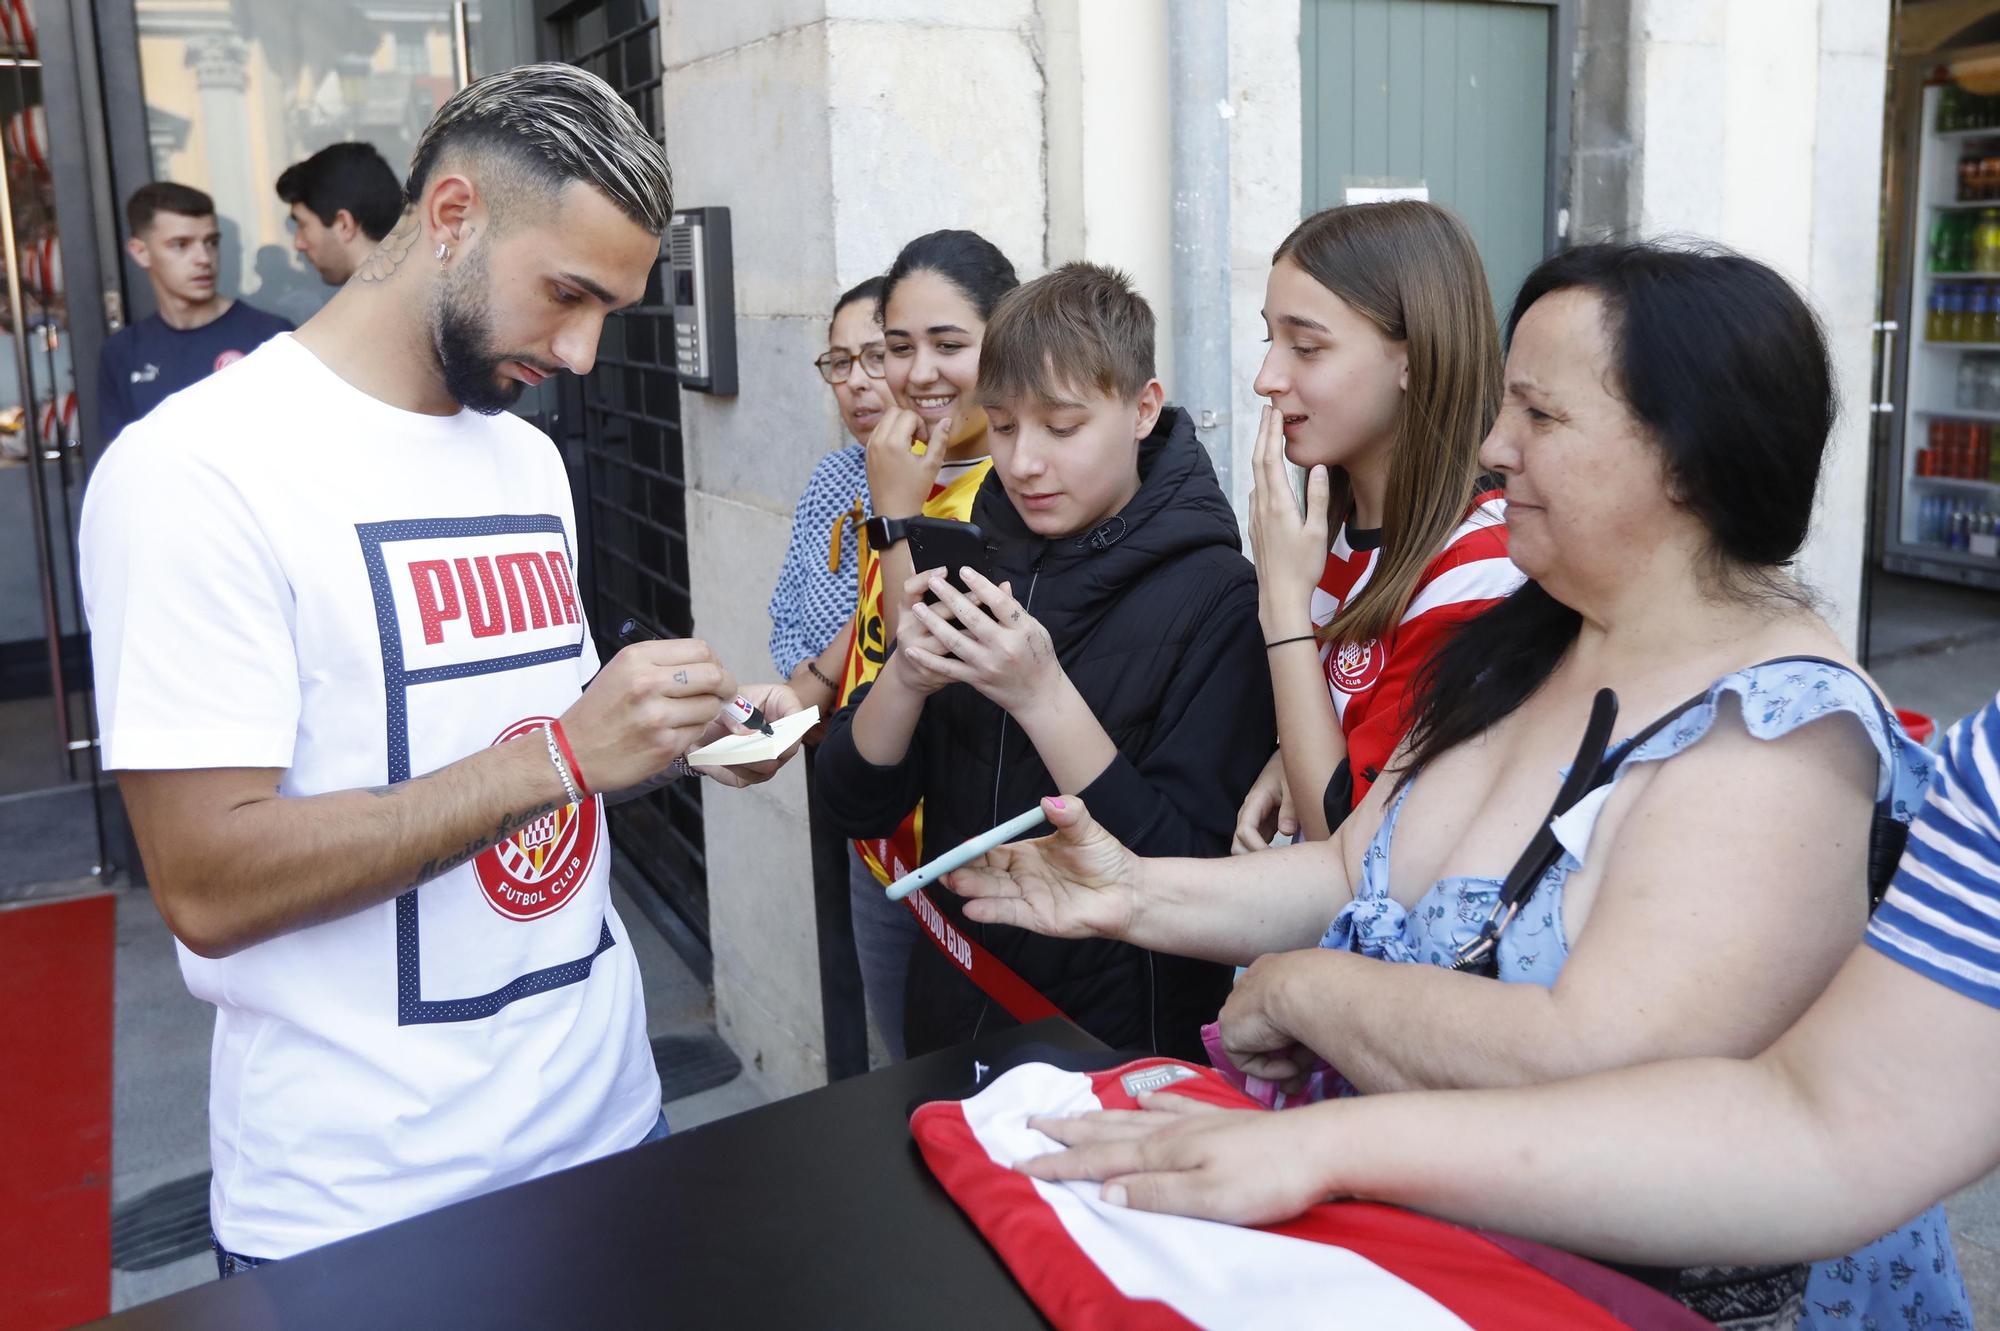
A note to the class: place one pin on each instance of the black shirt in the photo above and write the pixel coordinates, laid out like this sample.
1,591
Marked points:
147,362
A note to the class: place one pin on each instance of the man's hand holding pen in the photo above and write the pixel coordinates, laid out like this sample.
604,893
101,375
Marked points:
694,676
650,704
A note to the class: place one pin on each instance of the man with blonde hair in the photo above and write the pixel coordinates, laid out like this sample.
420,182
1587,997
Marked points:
346,682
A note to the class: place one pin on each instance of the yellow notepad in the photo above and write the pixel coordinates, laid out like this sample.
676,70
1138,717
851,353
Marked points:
735,750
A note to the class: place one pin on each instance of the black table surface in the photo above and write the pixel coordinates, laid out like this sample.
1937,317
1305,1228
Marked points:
815,1211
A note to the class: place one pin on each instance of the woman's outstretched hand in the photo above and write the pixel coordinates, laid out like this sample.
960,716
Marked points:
1178,1155
1079,883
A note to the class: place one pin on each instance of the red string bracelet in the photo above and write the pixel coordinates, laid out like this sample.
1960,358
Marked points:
562,742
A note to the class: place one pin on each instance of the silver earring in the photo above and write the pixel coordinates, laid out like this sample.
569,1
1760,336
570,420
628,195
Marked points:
444,252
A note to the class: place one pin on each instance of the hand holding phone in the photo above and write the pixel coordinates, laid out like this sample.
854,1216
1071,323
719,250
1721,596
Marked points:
913,659
943,543
985,638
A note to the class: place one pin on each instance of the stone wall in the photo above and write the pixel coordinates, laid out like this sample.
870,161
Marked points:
1760,126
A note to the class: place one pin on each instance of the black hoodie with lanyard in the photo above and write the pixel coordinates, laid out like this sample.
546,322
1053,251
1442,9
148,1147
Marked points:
1153,613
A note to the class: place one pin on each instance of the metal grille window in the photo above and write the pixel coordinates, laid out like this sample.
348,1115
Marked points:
631,487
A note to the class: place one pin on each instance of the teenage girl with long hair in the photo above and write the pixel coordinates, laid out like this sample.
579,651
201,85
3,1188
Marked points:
1382,378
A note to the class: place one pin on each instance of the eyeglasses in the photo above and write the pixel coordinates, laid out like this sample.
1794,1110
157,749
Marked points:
835,366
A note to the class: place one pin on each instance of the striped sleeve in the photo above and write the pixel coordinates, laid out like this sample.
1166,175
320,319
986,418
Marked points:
1941,917
1471,572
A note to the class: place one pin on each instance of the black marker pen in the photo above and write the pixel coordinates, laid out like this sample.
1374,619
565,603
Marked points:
746,712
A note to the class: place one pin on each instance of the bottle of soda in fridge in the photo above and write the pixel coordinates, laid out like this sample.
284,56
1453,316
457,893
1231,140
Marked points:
1986,242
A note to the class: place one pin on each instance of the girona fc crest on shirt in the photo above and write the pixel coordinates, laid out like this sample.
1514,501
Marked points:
1356,667
537,870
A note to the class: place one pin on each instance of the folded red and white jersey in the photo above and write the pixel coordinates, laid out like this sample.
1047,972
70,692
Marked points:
1090,1266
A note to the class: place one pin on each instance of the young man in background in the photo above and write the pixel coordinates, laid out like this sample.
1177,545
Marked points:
176,238
344,199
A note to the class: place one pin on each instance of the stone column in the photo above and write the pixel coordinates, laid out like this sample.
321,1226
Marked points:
1266,198
221,64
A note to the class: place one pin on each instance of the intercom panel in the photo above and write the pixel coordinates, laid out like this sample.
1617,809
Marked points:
702,283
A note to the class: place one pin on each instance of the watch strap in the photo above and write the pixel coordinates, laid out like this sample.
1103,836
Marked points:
885,532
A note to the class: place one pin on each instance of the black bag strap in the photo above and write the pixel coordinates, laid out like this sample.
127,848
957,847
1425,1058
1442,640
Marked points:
1593,767
1587,771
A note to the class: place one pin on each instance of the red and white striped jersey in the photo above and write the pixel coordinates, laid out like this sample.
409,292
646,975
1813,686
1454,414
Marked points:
1091,1266
1372,682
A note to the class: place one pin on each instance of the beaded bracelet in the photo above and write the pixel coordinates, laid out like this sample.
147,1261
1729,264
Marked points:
556,758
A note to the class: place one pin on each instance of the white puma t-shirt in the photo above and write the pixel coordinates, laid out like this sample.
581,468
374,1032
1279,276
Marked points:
281,571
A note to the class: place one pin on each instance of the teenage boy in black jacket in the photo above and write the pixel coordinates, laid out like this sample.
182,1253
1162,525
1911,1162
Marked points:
1110,650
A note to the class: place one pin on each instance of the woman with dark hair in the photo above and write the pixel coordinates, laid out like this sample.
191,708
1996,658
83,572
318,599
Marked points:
1687,878
927,455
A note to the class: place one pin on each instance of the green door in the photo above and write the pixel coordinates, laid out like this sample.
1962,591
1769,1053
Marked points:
1449,94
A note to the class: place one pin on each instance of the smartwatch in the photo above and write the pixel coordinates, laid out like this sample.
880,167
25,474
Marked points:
885,532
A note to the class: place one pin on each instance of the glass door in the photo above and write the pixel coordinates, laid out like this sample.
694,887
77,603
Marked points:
231,92
50,817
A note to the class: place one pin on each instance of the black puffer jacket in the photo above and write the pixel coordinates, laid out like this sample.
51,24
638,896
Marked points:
1154,618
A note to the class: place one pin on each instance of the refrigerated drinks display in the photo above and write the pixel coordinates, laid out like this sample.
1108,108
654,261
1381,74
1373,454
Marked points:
1944,514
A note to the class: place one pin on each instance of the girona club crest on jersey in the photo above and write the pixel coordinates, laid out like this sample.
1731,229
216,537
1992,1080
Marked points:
538,869
1356,666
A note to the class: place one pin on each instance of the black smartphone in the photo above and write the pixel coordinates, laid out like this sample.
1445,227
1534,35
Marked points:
942,543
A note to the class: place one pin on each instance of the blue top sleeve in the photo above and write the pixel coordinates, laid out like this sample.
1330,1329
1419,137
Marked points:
811,603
